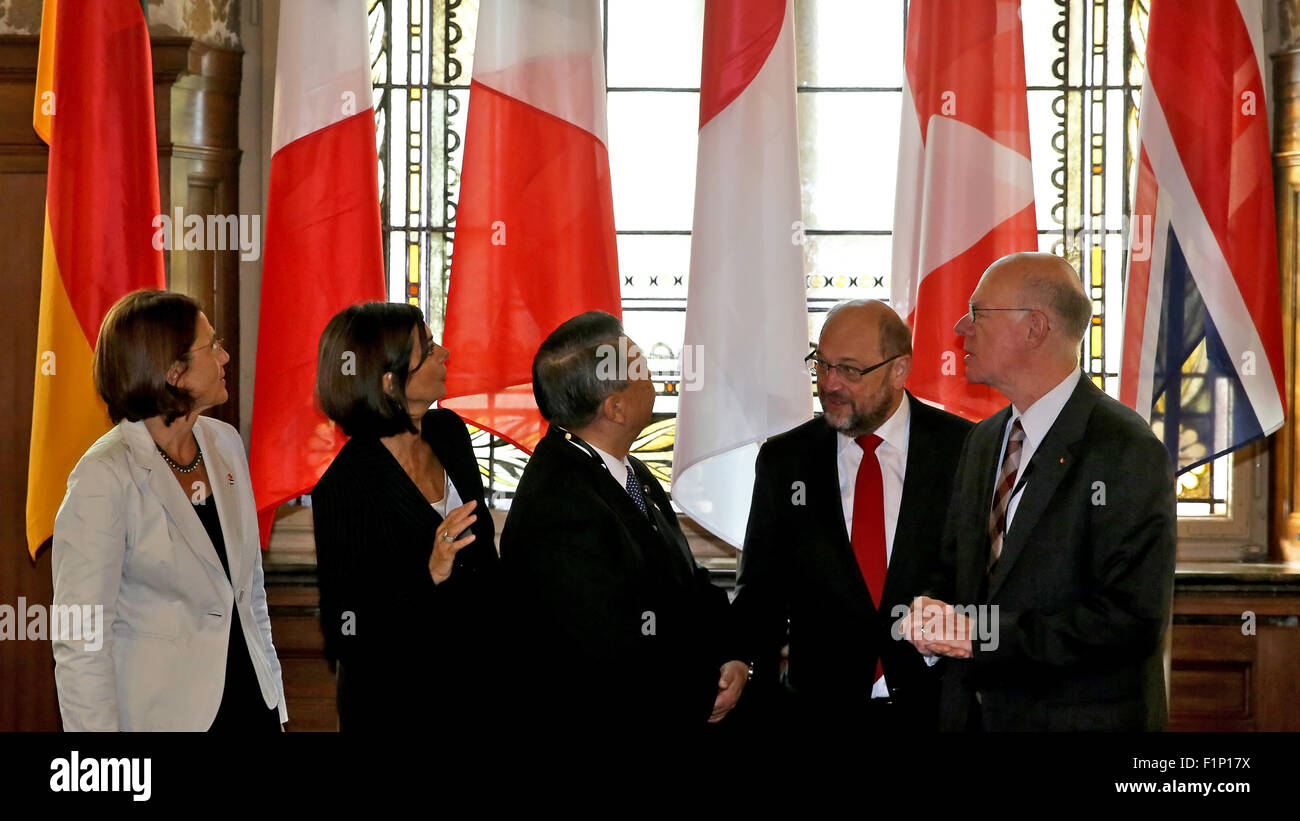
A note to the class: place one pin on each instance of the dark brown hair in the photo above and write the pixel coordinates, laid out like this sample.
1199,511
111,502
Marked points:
358,346
143,335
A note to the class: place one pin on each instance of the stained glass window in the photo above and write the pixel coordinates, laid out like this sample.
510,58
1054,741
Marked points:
1084,70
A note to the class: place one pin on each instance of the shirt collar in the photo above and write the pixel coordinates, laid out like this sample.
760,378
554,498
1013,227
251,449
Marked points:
893,431
1039,417
618,469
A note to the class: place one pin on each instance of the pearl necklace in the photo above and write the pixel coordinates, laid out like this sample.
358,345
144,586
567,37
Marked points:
190,468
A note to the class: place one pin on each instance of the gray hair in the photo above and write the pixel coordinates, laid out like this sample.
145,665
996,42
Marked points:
567,382
894,337
1066,299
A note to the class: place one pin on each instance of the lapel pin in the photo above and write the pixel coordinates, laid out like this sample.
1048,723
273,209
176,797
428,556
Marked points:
230,477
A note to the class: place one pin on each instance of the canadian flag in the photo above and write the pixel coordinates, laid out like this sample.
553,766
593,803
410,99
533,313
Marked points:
965,193
535,221
323,245
746,306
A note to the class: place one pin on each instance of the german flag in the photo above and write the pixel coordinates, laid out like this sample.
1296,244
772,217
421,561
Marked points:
94,108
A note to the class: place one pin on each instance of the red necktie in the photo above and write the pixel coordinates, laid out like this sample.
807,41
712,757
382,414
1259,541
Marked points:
869,523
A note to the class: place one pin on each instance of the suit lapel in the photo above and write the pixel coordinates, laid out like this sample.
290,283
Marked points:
827,505
614,495
919,475
984,455
168,492
384,470
824,489
606,486
464,473
991,458
1053,460
660,512
222,476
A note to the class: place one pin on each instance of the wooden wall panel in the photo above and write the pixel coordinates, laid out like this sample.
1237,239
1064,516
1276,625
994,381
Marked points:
1236,650
27,698
1215,671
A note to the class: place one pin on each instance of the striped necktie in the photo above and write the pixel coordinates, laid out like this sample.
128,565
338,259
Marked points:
1002,496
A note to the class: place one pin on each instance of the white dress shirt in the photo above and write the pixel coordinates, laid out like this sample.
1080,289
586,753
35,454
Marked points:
894,433
892,455
618,468
1037,420
450,497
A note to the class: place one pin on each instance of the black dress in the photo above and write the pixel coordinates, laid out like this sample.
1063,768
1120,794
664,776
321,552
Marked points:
242,707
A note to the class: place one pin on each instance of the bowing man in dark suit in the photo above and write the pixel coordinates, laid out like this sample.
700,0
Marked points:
408,570
1062,521
617,623
844,528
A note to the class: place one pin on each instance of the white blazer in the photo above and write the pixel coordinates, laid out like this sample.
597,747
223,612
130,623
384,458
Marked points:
127,537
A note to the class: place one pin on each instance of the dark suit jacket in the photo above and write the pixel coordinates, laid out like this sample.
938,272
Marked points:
1085,581
412,652
616,622
798,564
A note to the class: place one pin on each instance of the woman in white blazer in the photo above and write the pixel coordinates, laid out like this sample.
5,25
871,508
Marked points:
159,527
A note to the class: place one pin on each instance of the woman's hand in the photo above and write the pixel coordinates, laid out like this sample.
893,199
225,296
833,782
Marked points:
445,543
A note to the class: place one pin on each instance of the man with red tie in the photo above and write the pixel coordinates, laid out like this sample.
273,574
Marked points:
844,529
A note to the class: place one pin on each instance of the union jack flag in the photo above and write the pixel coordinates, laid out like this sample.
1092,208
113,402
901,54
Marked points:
1202,356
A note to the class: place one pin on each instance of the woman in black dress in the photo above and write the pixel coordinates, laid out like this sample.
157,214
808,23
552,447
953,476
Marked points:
404,539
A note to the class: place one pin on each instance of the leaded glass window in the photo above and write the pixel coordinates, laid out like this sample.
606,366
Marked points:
1084,68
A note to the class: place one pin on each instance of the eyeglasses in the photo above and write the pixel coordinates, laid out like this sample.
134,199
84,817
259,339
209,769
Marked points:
973,313
819,367
215,345
426,350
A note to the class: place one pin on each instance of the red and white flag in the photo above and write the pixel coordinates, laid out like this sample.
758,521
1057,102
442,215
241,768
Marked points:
965,193
746,307
323,244
535,222
1203,357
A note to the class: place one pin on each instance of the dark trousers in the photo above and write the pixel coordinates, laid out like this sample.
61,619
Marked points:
778,709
